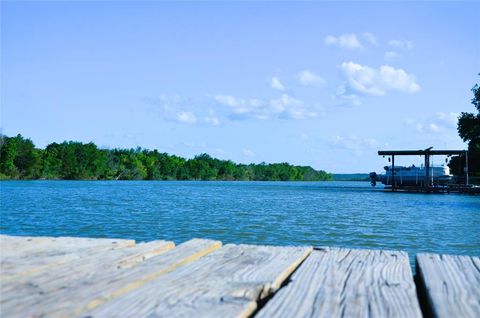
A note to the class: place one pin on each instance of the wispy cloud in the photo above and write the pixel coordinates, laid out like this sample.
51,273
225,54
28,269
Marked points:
401,44
304,136
275,83
370,38
347,41
186,117
351,41
190,144
391,55
377,82
425,128
308,78
228,100
248,153
347,97
242,108
182,110
291,108
353,142
439,123
212,120
447,120
285,106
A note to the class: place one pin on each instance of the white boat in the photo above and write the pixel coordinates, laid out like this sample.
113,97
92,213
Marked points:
412,175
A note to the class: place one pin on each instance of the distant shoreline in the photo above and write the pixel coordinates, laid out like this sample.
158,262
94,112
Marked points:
73,160
206,181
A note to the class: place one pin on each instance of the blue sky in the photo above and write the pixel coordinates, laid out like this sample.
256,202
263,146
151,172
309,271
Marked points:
315,83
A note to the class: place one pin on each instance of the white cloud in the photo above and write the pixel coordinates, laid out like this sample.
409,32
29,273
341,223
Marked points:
276,84
227,100
350,98
182,110
401,44
285,106
248,153
304,136
190,144
371,81
434,128
353,142
439,123
186,117
391,55
370,38
280,104
290,108
447,120
212,120
430,128
308,78
347,41
239,107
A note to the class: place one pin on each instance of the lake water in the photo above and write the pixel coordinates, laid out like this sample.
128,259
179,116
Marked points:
346,214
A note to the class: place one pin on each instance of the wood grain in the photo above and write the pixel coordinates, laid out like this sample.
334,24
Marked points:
29,246
337,282
13,268
225,283
87,263
85,284
58,277
451,284
24,255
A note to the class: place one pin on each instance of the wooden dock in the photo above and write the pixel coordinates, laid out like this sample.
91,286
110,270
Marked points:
83,277
451,188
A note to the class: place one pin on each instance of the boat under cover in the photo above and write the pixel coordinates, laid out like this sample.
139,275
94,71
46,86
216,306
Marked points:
412,175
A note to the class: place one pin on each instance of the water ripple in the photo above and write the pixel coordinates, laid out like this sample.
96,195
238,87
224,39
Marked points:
348,214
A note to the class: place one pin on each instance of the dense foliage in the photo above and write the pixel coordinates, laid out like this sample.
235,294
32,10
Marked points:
19,159
469,130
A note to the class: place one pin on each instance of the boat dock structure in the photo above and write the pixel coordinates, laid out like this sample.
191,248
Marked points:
86,277
425,183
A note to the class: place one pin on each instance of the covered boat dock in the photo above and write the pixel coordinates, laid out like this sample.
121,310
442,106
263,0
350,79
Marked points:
427,186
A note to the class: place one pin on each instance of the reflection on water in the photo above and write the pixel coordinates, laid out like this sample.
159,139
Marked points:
347,214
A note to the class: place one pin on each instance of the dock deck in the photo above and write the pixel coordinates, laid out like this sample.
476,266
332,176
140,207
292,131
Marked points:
452,188
83,277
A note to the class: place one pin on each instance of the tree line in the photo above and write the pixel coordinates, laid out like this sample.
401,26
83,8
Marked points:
20,159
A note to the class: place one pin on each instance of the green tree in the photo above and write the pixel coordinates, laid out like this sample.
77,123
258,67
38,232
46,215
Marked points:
19,159
52,163
469,130
8,153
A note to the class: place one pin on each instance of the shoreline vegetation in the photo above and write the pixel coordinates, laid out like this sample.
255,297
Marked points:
21,160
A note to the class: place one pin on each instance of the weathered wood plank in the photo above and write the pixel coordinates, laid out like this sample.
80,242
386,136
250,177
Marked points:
81,285
16,268
451,284
88,261
225,283
29,246
338,282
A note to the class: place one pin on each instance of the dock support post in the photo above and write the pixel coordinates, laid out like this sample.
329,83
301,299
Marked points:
427,172
393,172
466,168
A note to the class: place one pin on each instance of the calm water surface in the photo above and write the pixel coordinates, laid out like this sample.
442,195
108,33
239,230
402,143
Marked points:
347,214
